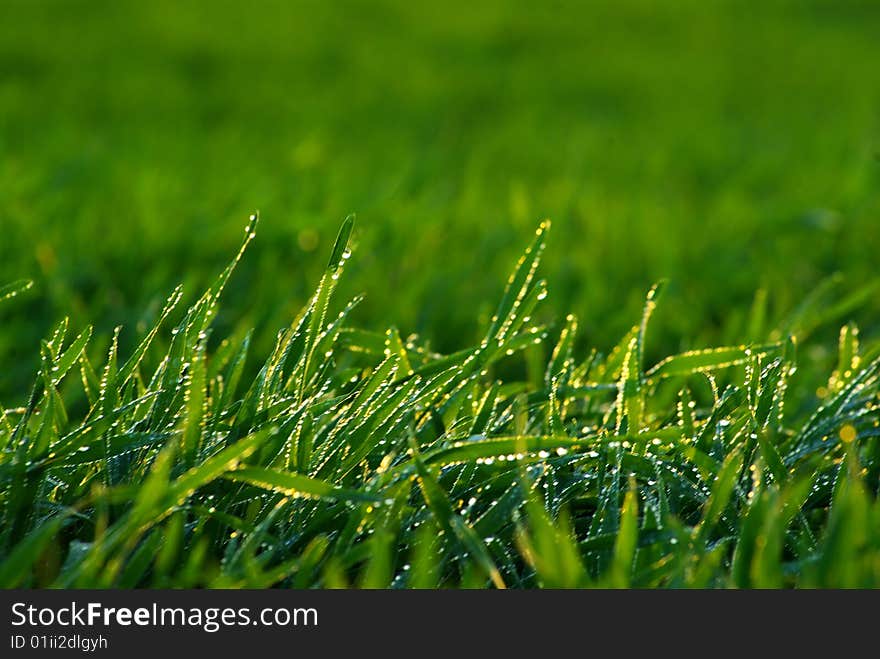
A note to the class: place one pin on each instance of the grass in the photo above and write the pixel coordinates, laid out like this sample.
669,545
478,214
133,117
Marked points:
727,148
724,438
361,458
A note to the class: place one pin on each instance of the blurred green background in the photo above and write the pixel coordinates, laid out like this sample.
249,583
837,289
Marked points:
727,145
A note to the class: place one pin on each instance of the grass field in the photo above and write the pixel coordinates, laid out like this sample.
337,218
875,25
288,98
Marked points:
683,393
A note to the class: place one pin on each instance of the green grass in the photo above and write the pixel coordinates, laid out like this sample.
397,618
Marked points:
726,151
358,458
726,147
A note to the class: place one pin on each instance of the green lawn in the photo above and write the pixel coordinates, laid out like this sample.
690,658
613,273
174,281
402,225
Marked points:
729,148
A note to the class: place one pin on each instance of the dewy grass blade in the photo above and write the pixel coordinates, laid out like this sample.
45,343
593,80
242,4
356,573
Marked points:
451,522
320,302
711,359
298,470
296,485
517,286
8,291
